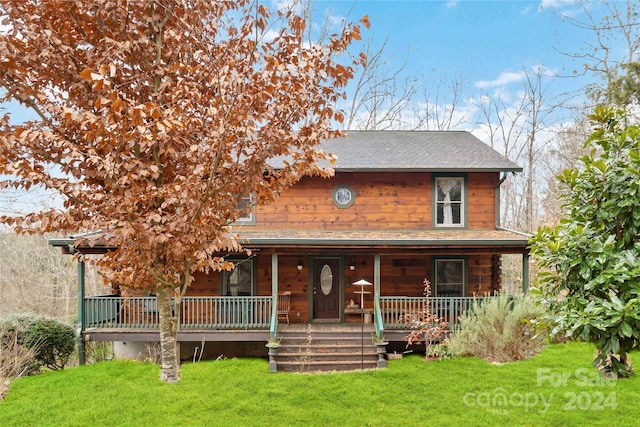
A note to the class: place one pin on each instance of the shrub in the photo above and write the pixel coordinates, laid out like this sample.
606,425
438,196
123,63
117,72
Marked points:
52,341
500,329
16,360
426,327
98,351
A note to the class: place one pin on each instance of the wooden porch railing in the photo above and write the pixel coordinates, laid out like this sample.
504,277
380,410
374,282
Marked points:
397,311
195,313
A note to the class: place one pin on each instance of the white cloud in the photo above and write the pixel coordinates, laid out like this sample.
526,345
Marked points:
452,3
556,4
505,78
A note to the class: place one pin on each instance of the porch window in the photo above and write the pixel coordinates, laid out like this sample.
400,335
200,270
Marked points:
247,208
449,205
449,278
240,280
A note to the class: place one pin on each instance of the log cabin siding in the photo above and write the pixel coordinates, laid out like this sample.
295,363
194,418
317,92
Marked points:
401,275
383,201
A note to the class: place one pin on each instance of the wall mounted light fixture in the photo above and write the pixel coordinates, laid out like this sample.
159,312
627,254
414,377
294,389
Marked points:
299,265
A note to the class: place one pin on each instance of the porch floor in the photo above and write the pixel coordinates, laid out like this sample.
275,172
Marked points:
259,335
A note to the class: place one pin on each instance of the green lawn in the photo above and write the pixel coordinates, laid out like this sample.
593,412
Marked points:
556,388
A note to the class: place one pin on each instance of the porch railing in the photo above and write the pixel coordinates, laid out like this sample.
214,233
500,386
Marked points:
394,312
195,312
397,311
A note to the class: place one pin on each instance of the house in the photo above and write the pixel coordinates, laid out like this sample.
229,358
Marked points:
403,206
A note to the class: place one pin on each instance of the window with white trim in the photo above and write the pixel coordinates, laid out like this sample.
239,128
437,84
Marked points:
449,277
449,202
247,207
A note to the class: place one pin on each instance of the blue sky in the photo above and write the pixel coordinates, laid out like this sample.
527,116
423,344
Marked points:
482,38
486,43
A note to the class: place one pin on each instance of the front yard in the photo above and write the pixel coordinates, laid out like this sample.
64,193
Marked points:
558,387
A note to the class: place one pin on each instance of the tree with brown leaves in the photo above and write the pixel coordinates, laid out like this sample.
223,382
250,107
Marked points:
156,119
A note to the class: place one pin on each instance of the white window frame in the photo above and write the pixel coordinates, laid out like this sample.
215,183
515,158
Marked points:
442,204
250,216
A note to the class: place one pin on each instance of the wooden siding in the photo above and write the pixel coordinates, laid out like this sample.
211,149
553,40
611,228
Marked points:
481,210
401,275
384,201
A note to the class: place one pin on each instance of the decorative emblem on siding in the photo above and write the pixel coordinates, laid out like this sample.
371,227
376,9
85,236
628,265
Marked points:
343,196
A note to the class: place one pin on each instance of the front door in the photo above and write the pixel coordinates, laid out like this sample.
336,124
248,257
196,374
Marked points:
326,288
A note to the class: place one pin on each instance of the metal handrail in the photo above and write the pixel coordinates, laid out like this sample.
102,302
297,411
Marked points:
377,313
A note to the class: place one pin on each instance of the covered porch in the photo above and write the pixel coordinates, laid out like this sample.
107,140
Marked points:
319,271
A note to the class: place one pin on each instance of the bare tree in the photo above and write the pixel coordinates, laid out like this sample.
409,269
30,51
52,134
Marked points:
564,154
381,94
519,129
437,111
35,278
619,26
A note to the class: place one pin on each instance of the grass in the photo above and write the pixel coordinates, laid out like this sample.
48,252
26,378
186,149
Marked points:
241,392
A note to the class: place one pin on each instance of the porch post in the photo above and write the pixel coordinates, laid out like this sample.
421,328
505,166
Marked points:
274,296
525,272
81,325
273,327
377,315
376,276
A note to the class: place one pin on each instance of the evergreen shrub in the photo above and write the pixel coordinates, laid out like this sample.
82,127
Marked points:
52,341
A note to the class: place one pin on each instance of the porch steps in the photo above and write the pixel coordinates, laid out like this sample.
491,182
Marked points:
325,348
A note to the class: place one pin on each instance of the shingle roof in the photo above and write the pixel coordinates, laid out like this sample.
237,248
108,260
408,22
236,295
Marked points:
436,151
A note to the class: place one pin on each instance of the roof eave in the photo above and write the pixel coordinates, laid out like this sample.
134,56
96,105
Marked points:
436,170
287,241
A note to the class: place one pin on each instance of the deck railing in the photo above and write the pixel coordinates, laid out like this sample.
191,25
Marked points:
395,312
195,312
398,312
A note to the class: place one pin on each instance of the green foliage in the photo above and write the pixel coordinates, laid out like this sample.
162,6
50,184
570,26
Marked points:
441,350
52,341
623,89
592,273
500,329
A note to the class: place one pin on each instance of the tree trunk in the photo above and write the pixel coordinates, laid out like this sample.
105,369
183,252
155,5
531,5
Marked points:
168,337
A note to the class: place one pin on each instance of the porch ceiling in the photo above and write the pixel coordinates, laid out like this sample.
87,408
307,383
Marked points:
501,240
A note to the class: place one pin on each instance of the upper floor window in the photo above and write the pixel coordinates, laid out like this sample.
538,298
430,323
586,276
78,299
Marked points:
248,215
449,201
